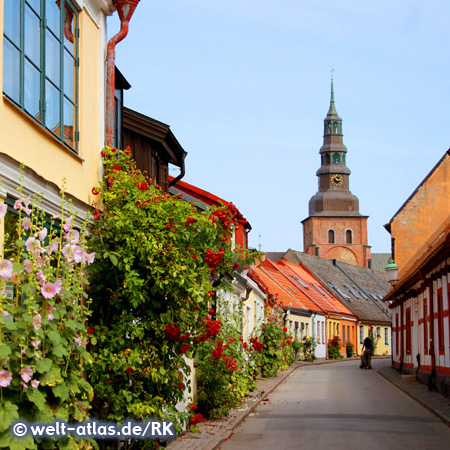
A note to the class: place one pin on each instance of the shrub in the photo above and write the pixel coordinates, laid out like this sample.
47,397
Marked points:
349,349
308,348
334,348
159,265
225,371
272,337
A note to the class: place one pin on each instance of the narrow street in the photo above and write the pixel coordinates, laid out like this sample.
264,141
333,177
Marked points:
339,406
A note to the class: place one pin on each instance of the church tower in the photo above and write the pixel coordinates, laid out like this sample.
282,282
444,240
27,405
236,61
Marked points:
335,229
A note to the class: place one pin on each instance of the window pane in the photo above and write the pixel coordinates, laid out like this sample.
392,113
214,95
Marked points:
32,90
69,70
32,36
52,111
53,16
11,71
52,58
68,123
12,20
35,4
69,27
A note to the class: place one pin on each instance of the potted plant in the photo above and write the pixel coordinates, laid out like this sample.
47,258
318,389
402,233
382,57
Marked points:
349,349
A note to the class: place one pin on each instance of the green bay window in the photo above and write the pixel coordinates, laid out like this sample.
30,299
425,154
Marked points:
40,63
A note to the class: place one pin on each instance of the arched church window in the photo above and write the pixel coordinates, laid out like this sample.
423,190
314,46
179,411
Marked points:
328,158
336,158
331,236
328,128
335,128
349,237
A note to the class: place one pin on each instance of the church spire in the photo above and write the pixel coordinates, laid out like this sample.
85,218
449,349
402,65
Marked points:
334,196
332,111
335,229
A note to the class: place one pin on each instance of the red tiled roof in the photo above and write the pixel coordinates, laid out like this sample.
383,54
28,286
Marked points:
265,280
315,289
299,292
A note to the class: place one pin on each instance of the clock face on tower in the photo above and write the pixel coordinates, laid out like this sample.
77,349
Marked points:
337,179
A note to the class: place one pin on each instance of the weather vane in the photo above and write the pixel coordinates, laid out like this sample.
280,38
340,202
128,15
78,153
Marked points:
331,71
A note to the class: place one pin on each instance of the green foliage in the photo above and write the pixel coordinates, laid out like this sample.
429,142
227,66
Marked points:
296,346
159,265
349,349
226,370
42,323
334,348
308,348
274,336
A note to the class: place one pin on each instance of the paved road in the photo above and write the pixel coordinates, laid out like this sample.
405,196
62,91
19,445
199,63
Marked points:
339,406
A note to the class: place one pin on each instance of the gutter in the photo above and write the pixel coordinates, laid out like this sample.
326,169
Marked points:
125,9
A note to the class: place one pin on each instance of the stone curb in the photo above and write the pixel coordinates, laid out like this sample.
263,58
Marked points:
411,394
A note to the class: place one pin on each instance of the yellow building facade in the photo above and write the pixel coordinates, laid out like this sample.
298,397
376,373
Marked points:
382,337
52,76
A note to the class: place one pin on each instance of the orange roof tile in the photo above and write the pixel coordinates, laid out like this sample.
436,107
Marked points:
300,292
315,289
266,280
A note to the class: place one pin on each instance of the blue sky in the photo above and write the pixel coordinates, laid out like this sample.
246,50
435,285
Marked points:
245,86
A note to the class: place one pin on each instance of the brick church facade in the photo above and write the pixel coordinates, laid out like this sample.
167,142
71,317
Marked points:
335,229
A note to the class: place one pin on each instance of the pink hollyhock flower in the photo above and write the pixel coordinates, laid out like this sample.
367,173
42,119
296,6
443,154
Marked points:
24,350
78,341
5,313
32,245
37,322
5,378
73,236
41,277
6,269
50,316
25,386
49,290
58,286
23,204
5,361
35,384
43,234
39,262
68,225
26,223
28,266
3,210
78,254
53,247
36,344
37,356
88,258
67,251
26,373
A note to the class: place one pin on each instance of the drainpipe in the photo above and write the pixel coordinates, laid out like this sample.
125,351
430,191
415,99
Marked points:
181,174
125,9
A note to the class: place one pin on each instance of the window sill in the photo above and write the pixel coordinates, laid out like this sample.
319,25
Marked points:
42,129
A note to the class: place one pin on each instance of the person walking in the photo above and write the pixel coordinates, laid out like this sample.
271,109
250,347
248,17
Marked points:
366,356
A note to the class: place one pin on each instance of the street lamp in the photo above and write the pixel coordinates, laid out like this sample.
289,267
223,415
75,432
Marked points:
392,272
